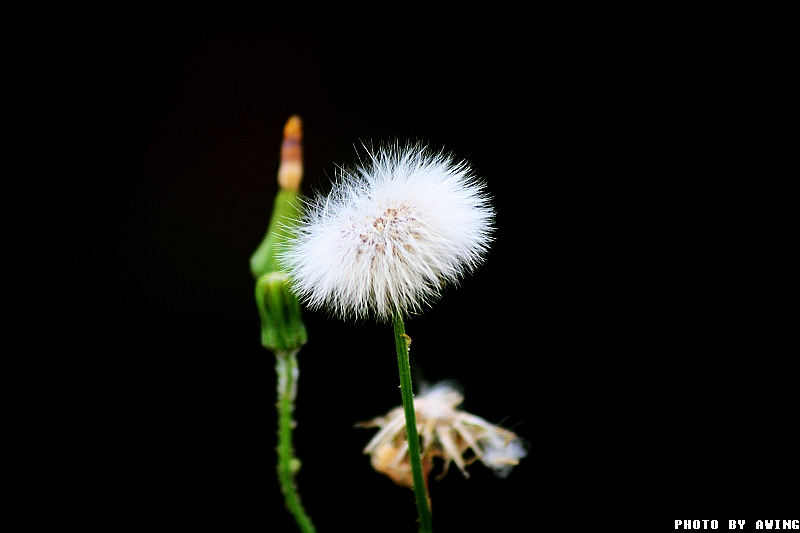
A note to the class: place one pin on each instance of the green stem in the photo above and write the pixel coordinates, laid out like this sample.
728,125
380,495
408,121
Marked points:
288,465
401,342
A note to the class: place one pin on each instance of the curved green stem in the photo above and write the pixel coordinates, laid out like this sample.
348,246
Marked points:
401,342
288,465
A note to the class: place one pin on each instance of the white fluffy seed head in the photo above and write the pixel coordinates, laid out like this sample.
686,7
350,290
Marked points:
391,232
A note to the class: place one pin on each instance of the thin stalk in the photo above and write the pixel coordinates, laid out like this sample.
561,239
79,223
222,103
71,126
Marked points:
401,342
288,465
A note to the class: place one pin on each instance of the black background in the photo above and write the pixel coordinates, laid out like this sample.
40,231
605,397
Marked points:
598,329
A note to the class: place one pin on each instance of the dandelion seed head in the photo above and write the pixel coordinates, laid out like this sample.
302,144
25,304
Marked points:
391,233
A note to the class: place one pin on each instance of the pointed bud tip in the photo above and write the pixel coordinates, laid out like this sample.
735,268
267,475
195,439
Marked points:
290,172
293,128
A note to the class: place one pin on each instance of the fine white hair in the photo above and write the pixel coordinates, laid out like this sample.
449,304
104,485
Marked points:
391,232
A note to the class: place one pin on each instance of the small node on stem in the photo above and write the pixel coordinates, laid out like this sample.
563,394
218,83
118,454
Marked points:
408,341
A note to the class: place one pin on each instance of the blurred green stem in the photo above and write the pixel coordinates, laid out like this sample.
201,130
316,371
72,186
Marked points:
288,465
402,341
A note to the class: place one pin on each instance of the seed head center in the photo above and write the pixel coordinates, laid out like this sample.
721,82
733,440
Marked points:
394,226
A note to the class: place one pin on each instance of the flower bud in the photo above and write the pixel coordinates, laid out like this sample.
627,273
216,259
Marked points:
287,207
282,328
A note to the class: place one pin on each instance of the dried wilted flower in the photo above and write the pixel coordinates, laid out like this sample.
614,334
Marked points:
390,234
446,432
